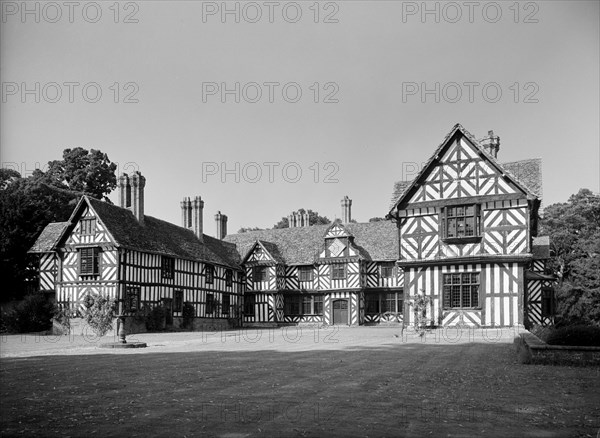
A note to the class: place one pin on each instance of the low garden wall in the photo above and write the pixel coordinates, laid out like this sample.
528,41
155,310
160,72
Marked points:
532,350
79,327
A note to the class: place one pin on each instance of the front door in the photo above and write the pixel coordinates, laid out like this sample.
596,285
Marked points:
340,312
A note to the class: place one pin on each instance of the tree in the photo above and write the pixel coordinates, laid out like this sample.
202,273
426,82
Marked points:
313,219
376,219
90,172
27,205
574,230
7,176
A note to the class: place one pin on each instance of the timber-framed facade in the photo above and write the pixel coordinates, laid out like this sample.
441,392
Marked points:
463,233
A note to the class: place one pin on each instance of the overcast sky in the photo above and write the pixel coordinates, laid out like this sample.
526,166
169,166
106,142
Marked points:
381,84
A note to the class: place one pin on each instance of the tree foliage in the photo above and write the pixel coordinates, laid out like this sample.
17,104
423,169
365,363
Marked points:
574,230
90,172
27,205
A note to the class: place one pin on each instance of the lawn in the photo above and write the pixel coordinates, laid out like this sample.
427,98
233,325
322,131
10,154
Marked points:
368,382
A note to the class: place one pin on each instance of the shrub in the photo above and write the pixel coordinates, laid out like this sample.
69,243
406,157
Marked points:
188,315
99,313
579,335
155,318
576,304
420,302
33,314
62,315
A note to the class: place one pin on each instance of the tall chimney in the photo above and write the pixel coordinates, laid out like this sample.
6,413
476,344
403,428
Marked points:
197,217
138,182
346,210
491,144
221,221
124,191
186,213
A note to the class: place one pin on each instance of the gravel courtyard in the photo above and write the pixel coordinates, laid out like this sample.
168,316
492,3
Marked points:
309,381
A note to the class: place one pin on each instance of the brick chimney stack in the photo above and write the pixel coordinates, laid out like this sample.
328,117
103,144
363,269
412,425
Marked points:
131,194
198,217
297,219
124,191
138,182
192,215
346,210
305,219
186,213
491,144
221,221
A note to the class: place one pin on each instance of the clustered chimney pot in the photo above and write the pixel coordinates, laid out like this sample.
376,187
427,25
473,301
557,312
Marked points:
346,209
221,222
131,194
192,212
491,144
297,219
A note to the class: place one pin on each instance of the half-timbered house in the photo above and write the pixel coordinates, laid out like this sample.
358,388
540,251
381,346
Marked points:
343,273
466,226
141,261
463,233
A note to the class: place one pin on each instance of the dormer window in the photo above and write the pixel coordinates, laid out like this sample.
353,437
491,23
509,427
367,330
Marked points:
461,222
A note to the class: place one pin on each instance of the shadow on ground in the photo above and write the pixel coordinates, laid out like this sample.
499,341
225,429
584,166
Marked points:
391,389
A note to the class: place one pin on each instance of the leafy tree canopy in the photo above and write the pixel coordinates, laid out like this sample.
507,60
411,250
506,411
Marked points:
574,230
90,172
27,205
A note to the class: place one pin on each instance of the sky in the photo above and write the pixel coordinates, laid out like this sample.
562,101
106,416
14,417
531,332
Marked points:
264,108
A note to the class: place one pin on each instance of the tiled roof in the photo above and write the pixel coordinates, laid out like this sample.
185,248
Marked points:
272,250
155,235
49,237
399,188
526,173
162,237
301,245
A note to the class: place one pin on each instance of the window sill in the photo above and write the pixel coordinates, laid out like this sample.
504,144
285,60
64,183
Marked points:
448,309
471,239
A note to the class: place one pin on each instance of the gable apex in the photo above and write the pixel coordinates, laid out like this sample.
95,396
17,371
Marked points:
458,144
337,229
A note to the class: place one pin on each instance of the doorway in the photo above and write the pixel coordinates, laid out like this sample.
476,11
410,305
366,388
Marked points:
340,312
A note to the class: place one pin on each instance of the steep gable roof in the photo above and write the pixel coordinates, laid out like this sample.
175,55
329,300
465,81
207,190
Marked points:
301,245
158,236
154,235
269,248
47,240
403,188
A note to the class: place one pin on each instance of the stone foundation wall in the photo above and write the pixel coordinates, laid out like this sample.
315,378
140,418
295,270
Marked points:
532,350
